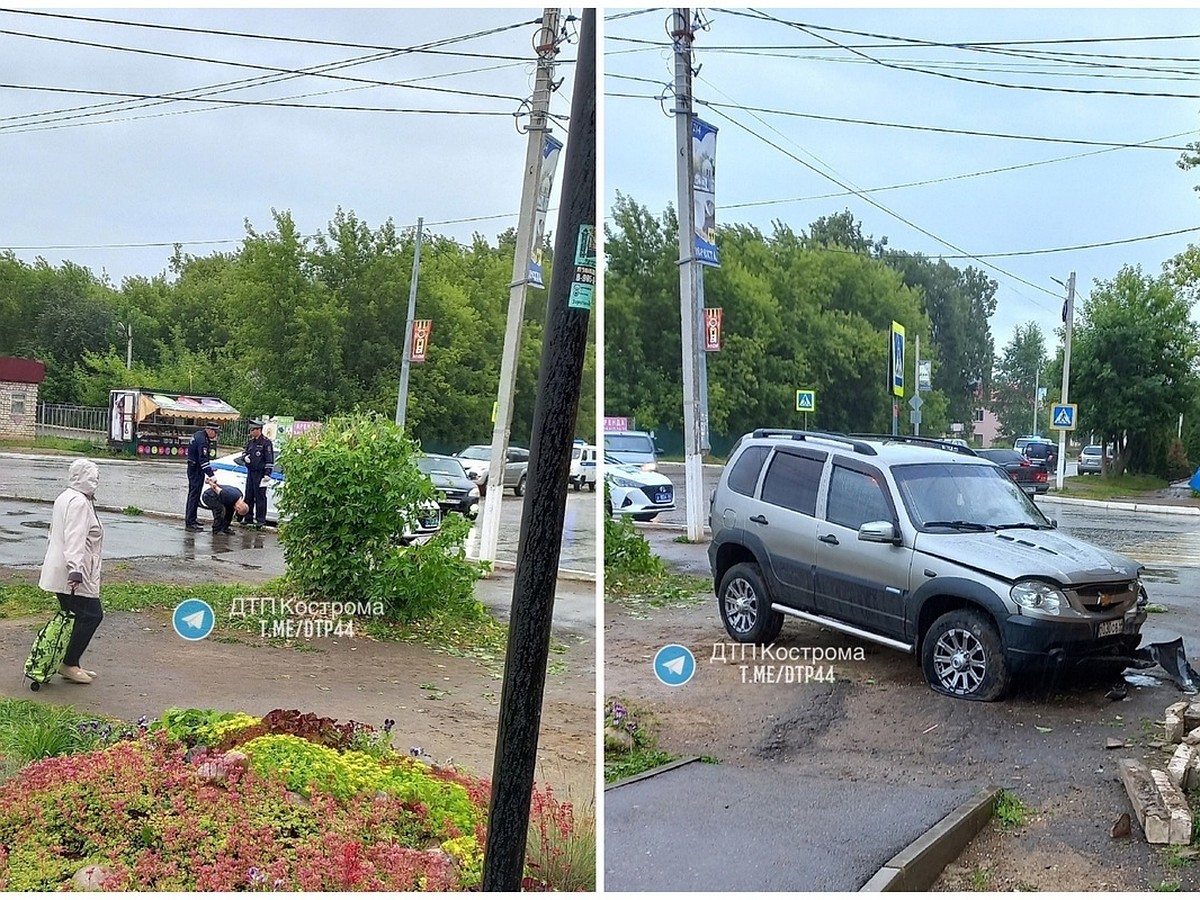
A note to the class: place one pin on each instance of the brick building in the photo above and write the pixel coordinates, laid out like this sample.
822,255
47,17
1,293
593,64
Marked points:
19,381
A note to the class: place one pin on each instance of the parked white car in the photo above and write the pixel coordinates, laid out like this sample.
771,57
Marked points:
229,472
635,492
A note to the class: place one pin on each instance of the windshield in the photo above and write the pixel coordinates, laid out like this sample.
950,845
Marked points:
628,443
441,465
964,496
477,452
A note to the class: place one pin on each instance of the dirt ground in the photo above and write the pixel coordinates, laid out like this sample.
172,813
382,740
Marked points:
879,722
445,705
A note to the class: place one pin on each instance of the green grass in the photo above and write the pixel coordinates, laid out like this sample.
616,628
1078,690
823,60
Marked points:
481,638
661,590
1167,886
59,445
30,730
980,879
626,765
1090,487
1010,811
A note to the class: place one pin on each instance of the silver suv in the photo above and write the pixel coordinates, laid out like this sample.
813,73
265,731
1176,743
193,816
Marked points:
918,545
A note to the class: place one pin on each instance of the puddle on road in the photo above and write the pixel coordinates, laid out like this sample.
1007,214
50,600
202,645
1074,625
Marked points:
36,523
1161,576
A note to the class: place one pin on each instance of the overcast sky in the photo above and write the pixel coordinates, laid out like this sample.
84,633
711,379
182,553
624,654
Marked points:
1079,199
77,184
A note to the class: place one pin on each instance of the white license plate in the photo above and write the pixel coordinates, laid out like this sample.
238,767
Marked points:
1108,629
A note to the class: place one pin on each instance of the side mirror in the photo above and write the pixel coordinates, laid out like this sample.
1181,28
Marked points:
658,451
878,532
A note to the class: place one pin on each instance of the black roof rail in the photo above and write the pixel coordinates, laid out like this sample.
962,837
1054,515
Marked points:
795,435
919,439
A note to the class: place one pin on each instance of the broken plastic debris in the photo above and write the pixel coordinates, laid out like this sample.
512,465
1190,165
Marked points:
1172,658
1142,680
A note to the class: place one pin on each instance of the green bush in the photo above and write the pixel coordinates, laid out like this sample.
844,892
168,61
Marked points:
1178,466
626,553
352,490
205,727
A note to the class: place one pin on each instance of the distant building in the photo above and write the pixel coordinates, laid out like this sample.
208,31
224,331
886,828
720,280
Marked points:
19,381
986,427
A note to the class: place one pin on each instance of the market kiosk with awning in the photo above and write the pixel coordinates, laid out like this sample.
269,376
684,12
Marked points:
161,423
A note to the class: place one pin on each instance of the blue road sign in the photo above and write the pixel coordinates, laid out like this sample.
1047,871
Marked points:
674,665
806,400
193,619
1062,416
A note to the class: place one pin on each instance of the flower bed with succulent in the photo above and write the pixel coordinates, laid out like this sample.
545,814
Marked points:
630,747
209,800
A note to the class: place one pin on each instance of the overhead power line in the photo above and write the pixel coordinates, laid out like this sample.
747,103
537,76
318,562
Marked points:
813,30
430,47
910,127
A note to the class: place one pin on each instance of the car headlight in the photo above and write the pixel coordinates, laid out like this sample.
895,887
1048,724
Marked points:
623,482
649,467
473,493
1038,595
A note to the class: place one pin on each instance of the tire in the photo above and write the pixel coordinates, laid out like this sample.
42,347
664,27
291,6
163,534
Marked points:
644,517
962,656
519,490
34,686
591,486
608,507
745,606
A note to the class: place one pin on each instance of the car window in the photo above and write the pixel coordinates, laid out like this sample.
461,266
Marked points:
792,481
476,452
443,466
950,492
744,475
855,498
628,443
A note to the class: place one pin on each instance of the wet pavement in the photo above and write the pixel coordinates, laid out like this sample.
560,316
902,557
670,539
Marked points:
159,490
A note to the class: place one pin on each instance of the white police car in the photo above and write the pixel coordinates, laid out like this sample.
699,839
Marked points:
231,473
635,492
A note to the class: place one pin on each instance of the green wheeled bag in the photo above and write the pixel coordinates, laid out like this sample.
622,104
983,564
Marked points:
49,649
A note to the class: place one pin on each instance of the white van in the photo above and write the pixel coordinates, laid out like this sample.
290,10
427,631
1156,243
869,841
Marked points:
583,466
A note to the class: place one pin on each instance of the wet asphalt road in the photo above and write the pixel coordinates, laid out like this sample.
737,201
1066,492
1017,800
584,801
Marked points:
160,489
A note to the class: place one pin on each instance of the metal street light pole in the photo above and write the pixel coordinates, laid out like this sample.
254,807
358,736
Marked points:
406,359
1062,432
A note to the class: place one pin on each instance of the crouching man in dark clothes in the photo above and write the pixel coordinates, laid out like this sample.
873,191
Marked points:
225,503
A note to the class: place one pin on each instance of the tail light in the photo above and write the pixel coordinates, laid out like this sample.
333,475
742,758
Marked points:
1039,475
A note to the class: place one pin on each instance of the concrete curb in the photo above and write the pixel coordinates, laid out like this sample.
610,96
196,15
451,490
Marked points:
650,773
1125,505
917,866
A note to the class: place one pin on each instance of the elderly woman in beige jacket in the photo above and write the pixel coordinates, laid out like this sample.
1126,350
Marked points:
72,566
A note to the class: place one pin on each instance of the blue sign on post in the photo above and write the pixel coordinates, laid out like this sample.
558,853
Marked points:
1062,416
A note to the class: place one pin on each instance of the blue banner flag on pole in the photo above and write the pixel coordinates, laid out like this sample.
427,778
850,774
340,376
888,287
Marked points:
704,184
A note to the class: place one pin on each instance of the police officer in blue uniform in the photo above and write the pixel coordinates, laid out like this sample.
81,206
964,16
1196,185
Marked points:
259,459
198,470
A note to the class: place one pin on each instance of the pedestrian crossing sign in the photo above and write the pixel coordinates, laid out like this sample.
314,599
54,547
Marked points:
1062,416
806,400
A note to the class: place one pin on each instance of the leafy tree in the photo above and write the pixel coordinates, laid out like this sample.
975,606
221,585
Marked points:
959,304
1020,370
1133,361
365,468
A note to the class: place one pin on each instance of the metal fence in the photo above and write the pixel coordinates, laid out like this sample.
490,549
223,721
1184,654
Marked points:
76,418
91,423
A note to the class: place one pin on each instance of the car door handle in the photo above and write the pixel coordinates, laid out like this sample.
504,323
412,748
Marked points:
828,539
759,520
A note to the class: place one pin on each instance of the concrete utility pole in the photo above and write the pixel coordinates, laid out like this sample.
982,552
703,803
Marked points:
689,313
916,420
547,49
571,297
1062,432
406,360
